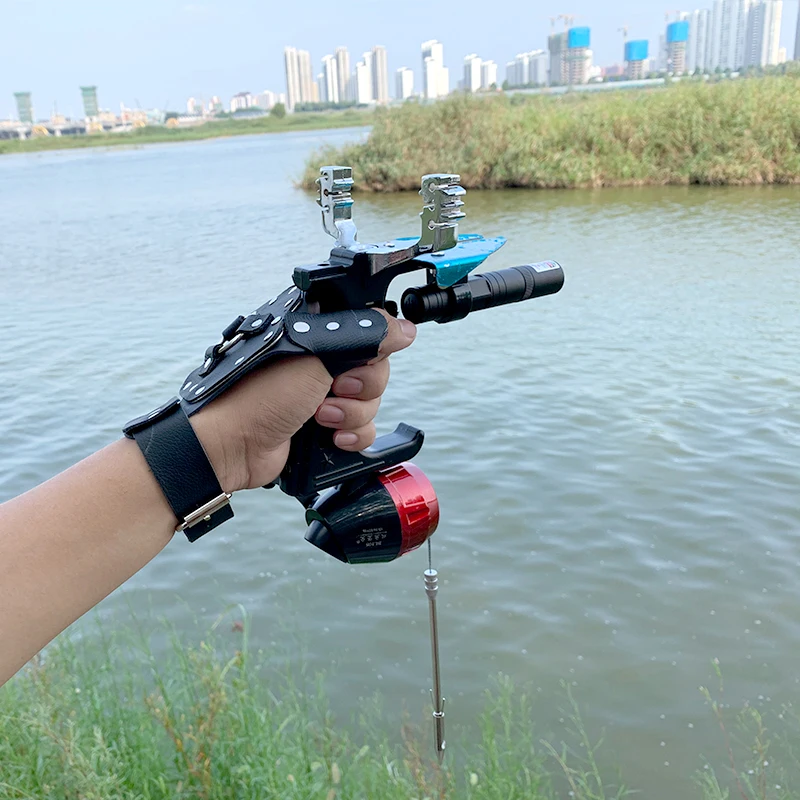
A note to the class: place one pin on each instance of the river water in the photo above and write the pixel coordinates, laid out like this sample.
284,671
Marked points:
617,465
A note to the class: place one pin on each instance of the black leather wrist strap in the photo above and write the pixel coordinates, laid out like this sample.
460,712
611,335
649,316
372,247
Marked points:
177,459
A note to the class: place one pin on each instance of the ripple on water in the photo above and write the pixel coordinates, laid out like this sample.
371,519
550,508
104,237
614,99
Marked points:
616,466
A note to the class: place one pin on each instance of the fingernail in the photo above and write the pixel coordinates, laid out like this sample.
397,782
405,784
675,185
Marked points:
408,328
345,439
330,414
348,386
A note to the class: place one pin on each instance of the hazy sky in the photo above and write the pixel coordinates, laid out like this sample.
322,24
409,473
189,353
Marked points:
159,52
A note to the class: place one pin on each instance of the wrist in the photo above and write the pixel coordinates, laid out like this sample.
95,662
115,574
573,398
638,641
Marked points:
223,453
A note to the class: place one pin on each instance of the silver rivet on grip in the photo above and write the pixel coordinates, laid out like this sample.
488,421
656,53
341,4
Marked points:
333,326
276,320
239,361
302,327
269,336
256,322
200,390
365,323
187,385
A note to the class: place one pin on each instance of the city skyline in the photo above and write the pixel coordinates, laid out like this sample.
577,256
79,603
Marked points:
183,50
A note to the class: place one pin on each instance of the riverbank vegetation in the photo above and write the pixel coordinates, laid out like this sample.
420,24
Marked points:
106,721
94,722
210,130
733,132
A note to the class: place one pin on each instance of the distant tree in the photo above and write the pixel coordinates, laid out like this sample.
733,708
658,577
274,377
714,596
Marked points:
506,85
278,111
171,115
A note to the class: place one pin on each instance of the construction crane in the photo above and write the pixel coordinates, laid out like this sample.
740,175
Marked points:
569,20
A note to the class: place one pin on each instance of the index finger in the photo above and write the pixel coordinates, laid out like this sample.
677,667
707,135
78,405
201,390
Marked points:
400,335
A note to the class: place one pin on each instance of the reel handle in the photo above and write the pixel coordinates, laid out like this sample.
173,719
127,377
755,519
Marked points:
315,463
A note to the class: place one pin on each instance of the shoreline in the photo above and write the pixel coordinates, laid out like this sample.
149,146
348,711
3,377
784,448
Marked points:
222,129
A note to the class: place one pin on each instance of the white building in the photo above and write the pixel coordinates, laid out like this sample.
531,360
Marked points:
380,75
435,75
300,84
329,80
698,39
194,107
764,33
362,82
662,62
343,73
265,99
713,37
797,40
404,83
488,75
241,101
472,73
528,69
558,73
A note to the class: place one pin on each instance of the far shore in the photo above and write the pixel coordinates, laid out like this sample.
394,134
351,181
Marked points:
210,130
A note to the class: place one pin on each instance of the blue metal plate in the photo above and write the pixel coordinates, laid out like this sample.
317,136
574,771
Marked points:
456,263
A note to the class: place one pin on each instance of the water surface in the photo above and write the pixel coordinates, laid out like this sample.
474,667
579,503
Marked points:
617,465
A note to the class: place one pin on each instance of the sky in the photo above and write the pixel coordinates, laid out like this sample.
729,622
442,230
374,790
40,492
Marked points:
157,53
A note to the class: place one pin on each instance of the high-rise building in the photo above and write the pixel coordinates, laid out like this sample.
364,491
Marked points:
343,73
435,75
527,69
380,75
763,33
265,99
89,95
300,84
557,46
308,86
293,93
677,39
743,12
797,39
636,55
329,85
241,101
472,73
362,82
24,107
661,60
714,37
404,86
488,75
698,38
728,34
579,56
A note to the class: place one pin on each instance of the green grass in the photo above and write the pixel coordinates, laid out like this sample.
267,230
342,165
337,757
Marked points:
101,721
208,130
733,132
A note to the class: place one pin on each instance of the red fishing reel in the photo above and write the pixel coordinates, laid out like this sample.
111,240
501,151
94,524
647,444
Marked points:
378,518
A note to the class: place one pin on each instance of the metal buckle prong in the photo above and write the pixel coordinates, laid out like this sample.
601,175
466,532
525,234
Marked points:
205,511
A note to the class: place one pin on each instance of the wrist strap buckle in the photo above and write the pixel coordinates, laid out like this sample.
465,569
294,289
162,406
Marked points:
205,512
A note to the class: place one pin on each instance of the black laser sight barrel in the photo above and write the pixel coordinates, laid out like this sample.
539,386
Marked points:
432,304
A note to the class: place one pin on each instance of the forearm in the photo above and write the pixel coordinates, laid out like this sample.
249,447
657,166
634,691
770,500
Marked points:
68,543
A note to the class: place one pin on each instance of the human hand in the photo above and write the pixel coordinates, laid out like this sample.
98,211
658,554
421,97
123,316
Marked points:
246,432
